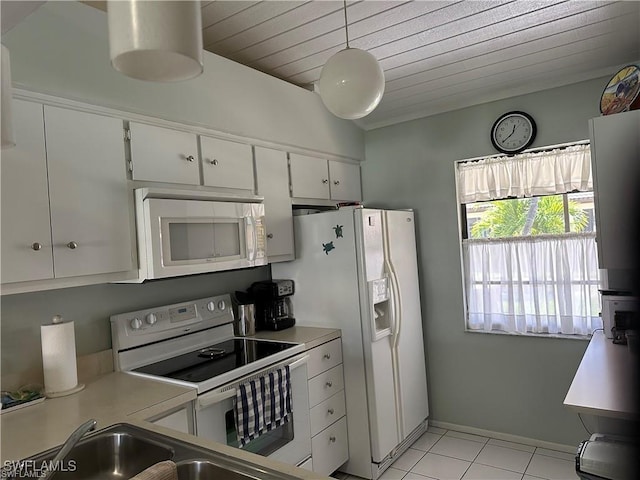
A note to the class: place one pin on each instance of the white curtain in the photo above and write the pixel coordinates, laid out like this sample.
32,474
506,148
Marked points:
541,284
525,175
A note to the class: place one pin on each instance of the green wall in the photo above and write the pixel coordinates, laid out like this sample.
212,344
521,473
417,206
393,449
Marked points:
509,384
90,308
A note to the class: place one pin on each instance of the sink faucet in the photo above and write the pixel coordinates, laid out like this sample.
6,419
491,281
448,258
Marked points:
74,438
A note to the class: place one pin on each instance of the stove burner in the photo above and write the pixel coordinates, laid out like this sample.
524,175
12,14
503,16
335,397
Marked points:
212,352
205,363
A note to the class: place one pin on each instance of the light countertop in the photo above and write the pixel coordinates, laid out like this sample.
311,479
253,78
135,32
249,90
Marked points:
605,381
310,336
122,398
112,398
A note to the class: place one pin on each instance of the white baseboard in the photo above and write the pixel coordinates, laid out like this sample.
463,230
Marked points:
504,436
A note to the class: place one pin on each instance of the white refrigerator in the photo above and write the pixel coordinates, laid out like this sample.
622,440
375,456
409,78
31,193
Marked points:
356,270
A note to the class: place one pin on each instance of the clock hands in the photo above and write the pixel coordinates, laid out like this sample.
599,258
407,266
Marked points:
512,132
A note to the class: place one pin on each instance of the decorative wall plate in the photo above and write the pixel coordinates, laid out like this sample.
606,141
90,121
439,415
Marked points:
621,91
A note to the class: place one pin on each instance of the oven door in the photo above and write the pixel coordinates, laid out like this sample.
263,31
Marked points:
289,443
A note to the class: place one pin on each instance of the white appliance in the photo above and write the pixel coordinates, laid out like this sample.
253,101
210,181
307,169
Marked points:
192,344
188,232
619,313
355,269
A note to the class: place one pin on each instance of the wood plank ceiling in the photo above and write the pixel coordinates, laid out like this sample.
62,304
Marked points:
437,55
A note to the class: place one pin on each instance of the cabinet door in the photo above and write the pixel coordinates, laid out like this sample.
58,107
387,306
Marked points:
273,185
309,176
90,218
164,155
345,181
226,164
26,228
615,150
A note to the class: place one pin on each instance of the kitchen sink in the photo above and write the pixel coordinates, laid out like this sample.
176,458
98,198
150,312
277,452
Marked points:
207,470
123,450
115,454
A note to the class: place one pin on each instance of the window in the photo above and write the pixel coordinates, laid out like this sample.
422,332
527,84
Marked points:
528,243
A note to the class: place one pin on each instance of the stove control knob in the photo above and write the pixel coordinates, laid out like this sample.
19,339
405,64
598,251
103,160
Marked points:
136,323
151,319
211,306
222,305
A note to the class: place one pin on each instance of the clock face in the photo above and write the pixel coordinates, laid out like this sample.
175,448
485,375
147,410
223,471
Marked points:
513,132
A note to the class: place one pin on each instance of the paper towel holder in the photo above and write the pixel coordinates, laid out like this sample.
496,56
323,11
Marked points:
56,320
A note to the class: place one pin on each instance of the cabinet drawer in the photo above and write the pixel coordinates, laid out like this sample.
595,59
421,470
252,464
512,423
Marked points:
325,385
327,412
330,449
324,357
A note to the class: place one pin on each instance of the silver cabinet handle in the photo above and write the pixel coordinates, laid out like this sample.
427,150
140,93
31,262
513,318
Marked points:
326,356
336,182
329,384
332,439
72,245
325,180
269,235
36,246
190,158
213,162
330,411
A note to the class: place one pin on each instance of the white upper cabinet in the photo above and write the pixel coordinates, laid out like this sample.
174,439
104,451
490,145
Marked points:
161,154
313,177
90,215
273,185
226,164
26,229
65,203
615,152
344,179
309,176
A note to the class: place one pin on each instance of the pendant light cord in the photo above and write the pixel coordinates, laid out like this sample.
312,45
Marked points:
346,29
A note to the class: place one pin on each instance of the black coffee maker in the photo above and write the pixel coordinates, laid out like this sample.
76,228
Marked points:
273,304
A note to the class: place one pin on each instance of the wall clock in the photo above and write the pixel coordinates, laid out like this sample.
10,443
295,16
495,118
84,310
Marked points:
512,132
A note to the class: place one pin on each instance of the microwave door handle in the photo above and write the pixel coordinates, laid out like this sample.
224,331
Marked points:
209,399
251,256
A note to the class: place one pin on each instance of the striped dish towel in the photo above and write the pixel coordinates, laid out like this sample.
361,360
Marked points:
263,404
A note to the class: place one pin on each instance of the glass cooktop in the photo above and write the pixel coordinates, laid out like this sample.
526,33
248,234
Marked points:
206,363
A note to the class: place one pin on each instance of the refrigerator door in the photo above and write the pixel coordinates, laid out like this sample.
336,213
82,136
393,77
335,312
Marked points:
410,369
377,325
327,294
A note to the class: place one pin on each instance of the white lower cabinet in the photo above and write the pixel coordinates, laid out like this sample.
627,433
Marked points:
329,441
180,420
65,207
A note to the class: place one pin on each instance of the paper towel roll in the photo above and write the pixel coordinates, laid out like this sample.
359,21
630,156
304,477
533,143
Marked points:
59,358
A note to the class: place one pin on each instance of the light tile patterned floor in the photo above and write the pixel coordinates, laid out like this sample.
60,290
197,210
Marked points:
449,455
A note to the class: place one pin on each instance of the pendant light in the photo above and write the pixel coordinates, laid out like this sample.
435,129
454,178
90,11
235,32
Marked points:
159,41
351,82
8,139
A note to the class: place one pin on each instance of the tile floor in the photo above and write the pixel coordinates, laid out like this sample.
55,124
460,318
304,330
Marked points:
450,455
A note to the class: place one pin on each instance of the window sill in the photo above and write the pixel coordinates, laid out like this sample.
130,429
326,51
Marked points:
559,336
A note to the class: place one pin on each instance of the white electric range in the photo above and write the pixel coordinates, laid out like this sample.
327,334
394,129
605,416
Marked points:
192,344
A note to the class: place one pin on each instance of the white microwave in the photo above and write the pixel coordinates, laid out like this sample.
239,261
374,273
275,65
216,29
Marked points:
184,236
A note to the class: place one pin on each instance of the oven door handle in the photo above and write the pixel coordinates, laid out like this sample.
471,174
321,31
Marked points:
209,399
